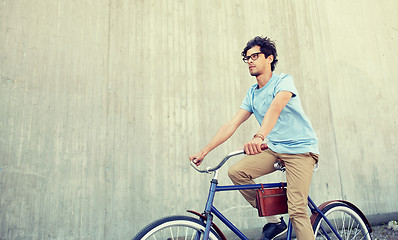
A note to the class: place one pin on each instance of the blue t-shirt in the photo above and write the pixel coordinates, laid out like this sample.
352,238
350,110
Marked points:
293,132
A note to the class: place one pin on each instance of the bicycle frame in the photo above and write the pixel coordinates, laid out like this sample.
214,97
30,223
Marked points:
211,210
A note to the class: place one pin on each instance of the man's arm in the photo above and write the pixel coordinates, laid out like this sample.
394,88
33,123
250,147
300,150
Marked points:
271,117
222,135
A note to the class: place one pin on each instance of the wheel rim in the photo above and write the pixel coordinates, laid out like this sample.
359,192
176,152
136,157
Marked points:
346,221
177,230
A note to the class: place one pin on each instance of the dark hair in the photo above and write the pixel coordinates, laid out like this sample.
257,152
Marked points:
267,46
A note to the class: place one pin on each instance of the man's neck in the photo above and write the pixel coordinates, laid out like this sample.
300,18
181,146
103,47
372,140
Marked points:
263,79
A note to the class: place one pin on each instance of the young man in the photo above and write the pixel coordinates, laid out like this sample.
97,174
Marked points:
275,103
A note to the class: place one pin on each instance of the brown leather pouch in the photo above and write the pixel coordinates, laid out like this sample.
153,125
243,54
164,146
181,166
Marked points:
271,201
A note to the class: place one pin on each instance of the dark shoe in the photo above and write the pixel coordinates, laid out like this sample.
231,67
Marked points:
273,230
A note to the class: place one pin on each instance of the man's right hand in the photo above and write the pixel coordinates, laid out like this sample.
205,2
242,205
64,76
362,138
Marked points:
197,158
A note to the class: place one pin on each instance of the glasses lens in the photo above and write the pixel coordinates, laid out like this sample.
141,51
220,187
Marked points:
254,56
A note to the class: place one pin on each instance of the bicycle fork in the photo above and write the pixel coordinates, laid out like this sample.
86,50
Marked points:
209,204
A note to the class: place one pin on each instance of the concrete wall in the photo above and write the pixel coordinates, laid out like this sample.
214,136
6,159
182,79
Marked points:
101,102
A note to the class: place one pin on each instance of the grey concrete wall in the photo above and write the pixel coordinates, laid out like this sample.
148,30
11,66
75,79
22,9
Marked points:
101,102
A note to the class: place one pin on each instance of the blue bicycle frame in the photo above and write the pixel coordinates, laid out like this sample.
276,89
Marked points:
210,209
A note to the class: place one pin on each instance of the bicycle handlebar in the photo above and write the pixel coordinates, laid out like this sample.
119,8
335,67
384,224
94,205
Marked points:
212,169
278,165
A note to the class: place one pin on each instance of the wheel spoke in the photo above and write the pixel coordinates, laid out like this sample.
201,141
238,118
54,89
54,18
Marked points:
193,236
171,233
351,229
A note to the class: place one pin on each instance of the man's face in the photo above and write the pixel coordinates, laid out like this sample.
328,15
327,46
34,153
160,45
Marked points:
261,65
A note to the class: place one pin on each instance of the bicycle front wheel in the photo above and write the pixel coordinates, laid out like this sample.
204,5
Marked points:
345,220
175,227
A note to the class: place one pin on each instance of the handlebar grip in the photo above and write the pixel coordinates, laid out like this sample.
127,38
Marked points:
194,166
264,146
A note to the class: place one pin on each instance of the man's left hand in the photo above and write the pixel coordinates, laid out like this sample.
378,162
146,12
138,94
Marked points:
253,147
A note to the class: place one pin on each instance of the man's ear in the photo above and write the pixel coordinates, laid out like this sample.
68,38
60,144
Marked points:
270,58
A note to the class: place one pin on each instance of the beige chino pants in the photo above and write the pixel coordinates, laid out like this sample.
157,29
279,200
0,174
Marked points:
299,168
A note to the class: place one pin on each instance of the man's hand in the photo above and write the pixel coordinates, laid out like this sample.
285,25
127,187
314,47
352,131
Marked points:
197,158
254,146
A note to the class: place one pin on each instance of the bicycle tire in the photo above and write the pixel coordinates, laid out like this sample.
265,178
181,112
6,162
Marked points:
344,219
175,227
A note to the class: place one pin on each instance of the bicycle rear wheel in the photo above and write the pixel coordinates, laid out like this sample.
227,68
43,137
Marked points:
175,228
345,220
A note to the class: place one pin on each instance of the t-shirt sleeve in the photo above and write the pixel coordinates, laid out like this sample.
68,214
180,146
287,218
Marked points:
247,103
286,83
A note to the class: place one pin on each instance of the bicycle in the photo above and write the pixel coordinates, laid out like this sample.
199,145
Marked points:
337,219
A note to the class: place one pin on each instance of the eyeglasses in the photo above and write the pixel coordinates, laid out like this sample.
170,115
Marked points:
254,57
